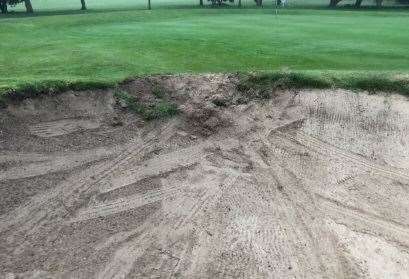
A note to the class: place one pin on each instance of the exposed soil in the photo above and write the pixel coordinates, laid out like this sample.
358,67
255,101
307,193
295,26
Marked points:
305,184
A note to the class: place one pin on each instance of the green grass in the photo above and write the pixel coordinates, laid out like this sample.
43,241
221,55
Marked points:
108,46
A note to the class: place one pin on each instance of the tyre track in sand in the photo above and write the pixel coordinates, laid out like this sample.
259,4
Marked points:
24,215
62,127
156,166
379,226
157,229
313,144
40,164
364,221
299,217
125,204
159,165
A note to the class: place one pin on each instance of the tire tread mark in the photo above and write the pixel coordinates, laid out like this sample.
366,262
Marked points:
125,204
333,206
89,181
124,258
161,164
327,149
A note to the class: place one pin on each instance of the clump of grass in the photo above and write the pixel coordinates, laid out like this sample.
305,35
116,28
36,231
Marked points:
161,109
158,91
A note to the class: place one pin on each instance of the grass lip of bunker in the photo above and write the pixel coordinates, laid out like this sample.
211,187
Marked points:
253,85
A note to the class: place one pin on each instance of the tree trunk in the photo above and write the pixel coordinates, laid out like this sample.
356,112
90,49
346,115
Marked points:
379,3
259,3
3,7
358,3
201,3
239,3
83,5
29,7
333,3
149,5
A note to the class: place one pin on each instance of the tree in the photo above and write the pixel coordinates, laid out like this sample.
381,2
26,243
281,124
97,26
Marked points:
29,7
4,3
201,3
217,2
3,6
333,3
83,5
358,3
259,3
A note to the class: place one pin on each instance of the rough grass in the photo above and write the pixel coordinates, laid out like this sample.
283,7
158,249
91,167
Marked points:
157,110
261,85
47,87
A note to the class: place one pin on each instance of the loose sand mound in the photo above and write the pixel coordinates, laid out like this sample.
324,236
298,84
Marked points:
306,184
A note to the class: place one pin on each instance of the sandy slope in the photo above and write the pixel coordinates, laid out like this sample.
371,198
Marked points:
309,184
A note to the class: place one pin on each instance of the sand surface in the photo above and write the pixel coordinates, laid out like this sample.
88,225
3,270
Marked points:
307,184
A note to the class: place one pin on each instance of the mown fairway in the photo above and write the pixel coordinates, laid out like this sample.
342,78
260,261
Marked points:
109,45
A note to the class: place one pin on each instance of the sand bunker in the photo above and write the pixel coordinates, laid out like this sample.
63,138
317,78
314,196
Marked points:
307,184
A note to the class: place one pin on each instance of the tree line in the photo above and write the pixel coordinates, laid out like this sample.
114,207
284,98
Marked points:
332,3
29,7
357,4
